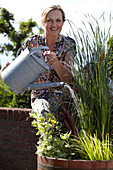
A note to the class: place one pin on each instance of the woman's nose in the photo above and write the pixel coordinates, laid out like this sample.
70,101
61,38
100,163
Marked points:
53,23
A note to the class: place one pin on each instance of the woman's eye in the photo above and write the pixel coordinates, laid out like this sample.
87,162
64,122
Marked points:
48,20
58,20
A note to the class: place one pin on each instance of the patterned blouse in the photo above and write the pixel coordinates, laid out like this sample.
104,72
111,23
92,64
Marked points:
64,45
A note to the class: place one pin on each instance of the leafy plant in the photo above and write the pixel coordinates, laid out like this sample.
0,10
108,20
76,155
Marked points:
8,98
21,101
52,140
5,94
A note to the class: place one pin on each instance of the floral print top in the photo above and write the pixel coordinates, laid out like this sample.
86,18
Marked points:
64,45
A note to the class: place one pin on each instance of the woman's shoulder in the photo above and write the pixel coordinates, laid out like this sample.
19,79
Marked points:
70,42
32,40
33,37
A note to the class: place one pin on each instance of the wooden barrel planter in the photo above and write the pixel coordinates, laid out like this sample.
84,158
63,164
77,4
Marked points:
46,163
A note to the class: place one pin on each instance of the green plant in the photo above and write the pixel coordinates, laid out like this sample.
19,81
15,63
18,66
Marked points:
52,141
5,94
21,101
8,98
92,78
92,148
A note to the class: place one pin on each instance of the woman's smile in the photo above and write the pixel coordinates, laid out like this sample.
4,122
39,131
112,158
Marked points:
53,29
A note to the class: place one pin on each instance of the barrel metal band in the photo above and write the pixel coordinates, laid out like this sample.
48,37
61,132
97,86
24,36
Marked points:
47,167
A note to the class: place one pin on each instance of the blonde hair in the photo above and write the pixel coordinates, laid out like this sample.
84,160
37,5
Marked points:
51,8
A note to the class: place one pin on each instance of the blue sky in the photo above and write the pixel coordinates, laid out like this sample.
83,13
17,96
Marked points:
24,9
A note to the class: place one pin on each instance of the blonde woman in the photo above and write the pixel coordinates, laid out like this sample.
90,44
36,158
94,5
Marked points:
59,57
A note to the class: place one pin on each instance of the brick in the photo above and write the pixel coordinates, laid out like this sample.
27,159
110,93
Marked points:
25,125
31,156
8,124
30,133
31,140
26,115
14,139
15,115
5,138
5,146
24,147
19,154
1,116
18,132
6,163
4,114
5,124
10,115
24,164
20,115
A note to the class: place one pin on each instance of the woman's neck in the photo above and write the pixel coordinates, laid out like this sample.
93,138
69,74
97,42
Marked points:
51,41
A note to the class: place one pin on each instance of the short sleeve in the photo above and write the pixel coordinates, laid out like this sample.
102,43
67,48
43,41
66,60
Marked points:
72,45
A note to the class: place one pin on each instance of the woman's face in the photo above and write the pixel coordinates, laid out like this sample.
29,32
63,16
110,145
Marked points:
54,23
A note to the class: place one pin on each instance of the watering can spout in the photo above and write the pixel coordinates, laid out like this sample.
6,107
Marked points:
38,86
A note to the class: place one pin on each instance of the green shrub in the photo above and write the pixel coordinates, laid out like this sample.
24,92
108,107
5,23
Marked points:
8,98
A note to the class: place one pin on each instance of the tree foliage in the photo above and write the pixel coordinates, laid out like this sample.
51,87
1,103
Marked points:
7,29
15,38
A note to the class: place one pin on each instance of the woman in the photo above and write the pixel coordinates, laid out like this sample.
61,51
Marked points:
59,57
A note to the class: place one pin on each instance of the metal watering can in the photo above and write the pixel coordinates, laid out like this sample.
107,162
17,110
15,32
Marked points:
24,70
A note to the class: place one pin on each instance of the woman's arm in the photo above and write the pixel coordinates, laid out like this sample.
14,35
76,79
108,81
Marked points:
63,70
4,67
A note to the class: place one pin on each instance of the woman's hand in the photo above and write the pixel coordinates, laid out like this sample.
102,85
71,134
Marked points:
7,64
51,57
63,71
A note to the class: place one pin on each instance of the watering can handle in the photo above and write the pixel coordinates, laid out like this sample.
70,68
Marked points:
34,50
39,48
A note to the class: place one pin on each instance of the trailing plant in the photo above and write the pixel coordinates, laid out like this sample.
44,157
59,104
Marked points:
52,142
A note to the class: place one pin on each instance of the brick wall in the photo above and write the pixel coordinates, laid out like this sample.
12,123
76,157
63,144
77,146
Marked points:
17,140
